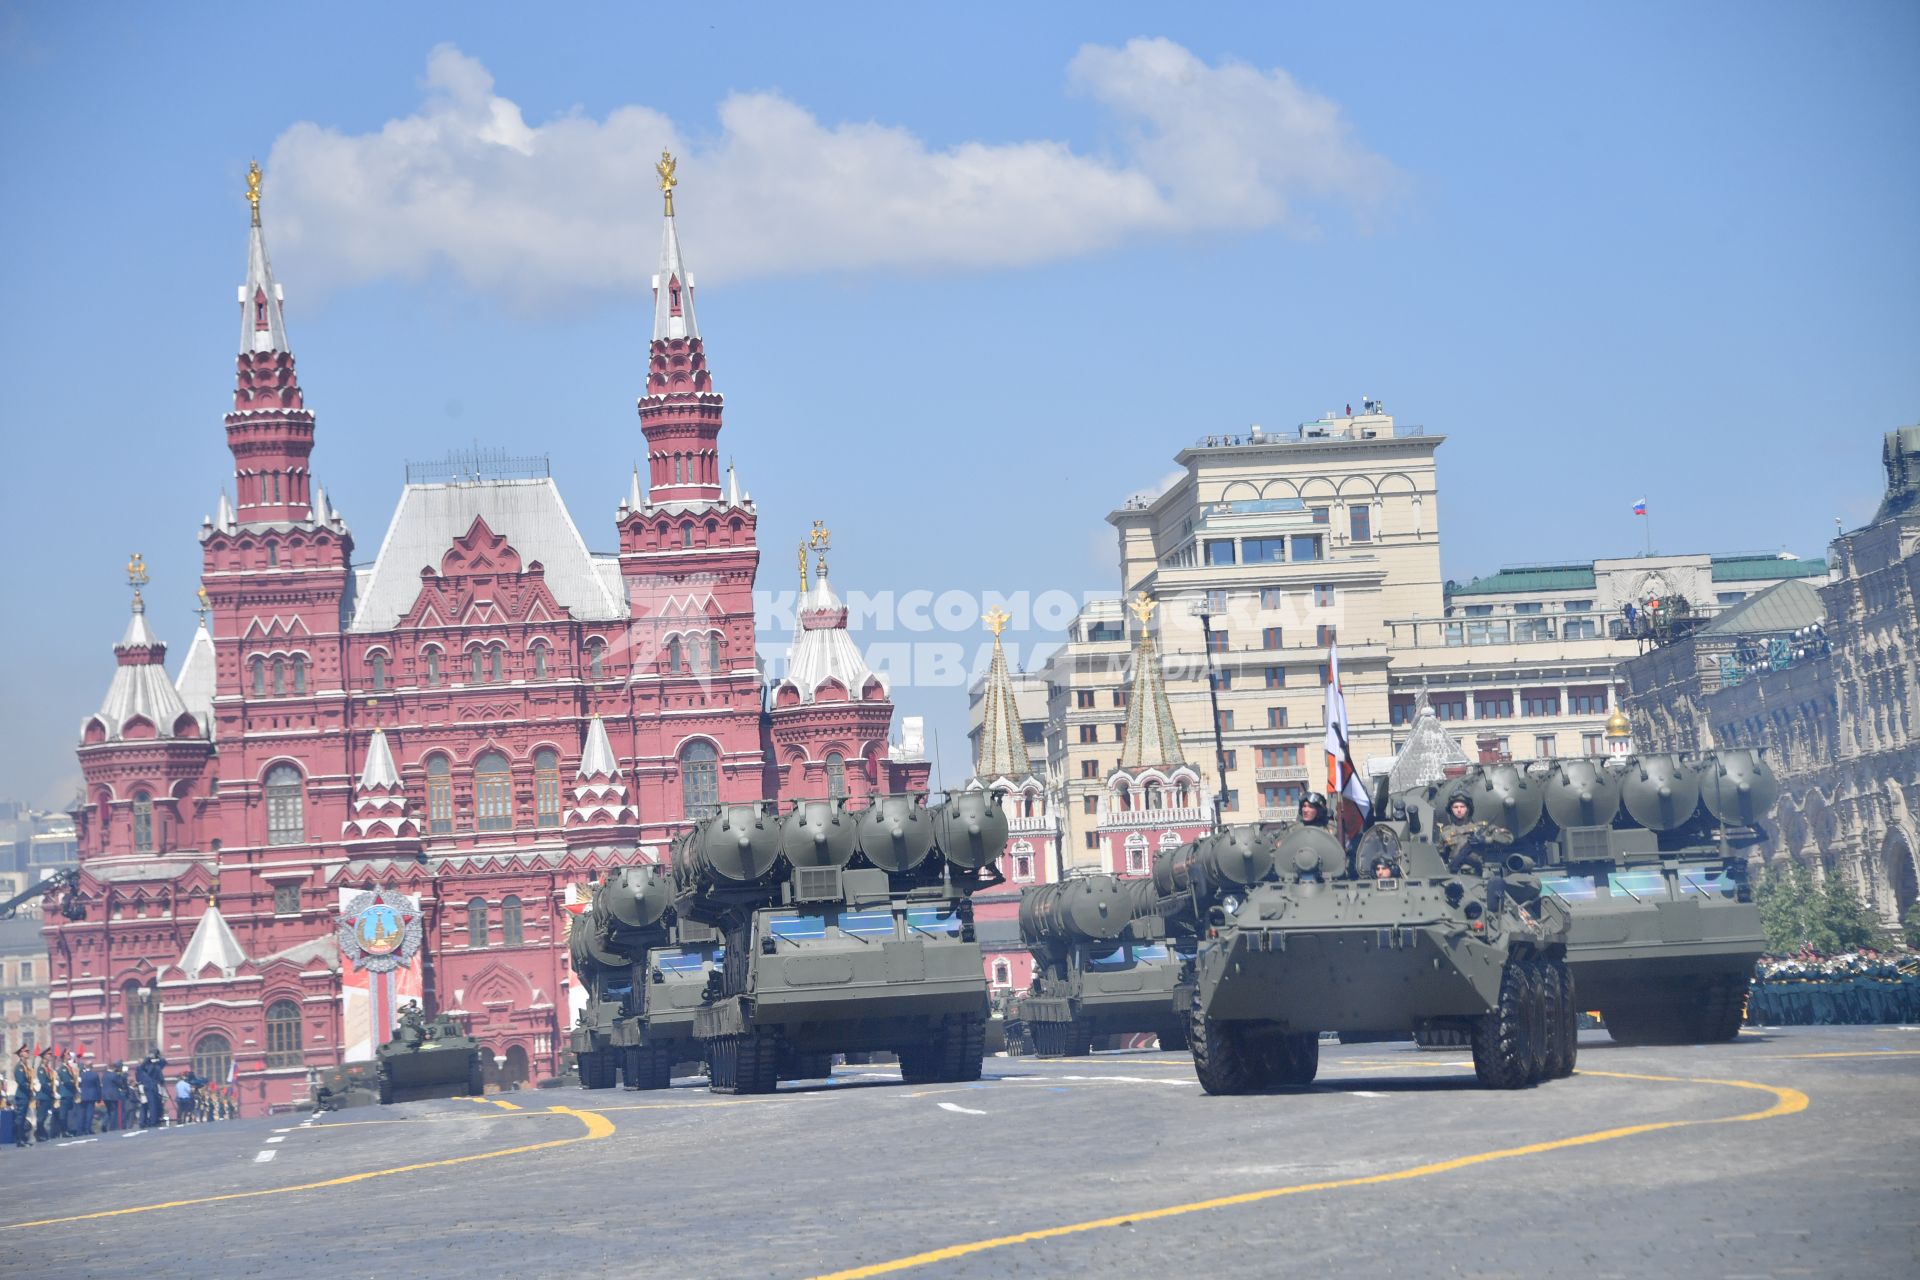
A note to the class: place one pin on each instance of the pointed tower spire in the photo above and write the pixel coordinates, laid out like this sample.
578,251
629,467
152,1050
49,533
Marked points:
635,498
1152,739
269,431
380,807
599,797
733,485
1003,743
680,413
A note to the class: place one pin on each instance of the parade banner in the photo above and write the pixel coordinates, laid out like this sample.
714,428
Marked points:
379,932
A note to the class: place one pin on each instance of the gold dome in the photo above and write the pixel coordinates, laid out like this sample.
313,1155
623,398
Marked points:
1618,726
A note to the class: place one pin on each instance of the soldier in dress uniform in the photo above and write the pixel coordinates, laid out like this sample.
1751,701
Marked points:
90,1093
22,1092
66,1084
43,1100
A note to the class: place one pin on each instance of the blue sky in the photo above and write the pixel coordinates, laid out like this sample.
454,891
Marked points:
968,276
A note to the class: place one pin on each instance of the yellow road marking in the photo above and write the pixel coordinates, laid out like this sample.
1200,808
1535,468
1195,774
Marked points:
1786,1102
1852,1053
598,1126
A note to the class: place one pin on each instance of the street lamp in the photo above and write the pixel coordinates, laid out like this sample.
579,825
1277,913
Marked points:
1201,611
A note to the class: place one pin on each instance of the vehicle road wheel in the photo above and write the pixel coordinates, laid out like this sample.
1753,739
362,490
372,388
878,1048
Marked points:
386,1092
1539,1019
1221,1058
1294,1059
1725,1009
1050,1039
1501,1058
1079,1037
1551,975
1442,1038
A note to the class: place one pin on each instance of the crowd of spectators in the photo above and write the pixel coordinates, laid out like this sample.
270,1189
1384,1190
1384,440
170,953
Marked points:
59,1094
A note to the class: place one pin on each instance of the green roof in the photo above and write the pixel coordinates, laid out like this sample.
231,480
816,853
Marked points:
1752,568
1552,577
1784,606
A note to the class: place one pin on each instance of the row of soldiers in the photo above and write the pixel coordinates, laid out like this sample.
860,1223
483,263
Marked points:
1859,987
57,1096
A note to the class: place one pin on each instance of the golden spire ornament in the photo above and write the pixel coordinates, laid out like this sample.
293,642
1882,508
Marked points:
1143,606
668,181
202,605
803,568
253,189
820,540
137,577
997,619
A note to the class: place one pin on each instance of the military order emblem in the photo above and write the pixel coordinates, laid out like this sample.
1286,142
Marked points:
379,934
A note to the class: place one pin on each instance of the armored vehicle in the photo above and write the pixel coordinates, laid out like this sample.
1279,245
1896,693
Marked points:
1294,942
1103,965
429,1060
351,1084
844,932
1649,853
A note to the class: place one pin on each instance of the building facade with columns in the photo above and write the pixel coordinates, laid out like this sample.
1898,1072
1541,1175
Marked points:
481,716
1825,680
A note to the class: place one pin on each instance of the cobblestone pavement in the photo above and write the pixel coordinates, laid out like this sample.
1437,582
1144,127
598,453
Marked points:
1788,1153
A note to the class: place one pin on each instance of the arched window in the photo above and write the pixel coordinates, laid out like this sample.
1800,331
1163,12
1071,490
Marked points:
1022,867
686,535
283,1034
492,792
511,930
439,796
713,653
476,922
433,667
299,673
539,659
212,1056
479,657
699,779
143,822
286,806
596,659
259,668
379,672
279,675
836,776
673,656
137,1003
546,787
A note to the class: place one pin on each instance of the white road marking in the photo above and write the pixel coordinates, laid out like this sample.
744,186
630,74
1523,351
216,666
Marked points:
265,1156
1364,1093
954,1106
283,1131
79,1142
133,1133
277,1139
1049,1079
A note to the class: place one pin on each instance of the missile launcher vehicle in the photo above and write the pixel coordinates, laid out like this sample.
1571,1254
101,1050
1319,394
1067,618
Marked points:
843,931
429,1059
1649,853
1104,964
1293,942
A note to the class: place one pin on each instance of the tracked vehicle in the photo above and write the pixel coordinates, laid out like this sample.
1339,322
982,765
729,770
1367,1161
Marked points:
429,1059
1104,964
843,932
1649,853
1294,943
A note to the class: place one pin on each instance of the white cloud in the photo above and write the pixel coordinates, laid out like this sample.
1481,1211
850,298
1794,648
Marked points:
548,210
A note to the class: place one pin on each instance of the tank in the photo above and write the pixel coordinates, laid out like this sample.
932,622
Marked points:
1582,793
429,1059
970,829
895,833
1415,948
1665,931
1103,966
878,955
818,833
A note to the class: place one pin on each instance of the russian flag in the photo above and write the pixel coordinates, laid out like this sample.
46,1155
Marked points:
1640,507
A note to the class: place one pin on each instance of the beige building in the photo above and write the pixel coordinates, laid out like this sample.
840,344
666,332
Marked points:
1523,663
1826,682
24,1011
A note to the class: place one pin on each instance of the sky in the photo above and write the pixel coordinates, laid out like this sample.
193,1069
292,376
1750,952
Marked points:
968,275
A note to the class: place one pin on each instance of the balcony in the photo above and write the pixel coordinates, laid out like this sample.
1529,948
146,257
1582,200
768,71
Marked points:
1124,818
1282,773
1042,825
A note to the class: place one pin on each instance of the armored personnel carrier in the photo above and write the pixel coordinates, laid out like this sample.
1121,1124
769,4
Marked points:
1294,943
337,1088
429,1059
1649,853
1103,965
844,932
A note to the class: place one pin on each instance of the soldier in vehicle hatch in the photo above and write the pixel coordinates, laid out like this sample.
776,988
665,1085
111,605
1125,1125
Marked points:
1465,841
1313,810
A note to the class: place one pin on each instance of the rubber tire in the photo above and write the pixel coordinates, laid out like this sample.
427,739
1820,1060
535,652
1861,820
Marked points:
1221,1059
1569,1056
1539,1019
1293,1060
1501,1056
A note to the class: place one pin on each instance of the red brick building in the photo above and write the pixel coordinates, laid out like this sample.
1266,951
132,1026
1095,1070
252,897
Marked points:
482,714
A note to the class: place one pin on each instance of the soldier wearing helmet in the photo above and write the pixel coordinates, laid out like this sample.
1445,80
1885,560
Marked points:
1313,810
1463,840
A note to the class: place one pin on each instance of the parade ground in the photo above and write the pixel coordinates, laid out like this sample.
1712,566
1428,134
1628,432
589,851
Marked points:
1787,1153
